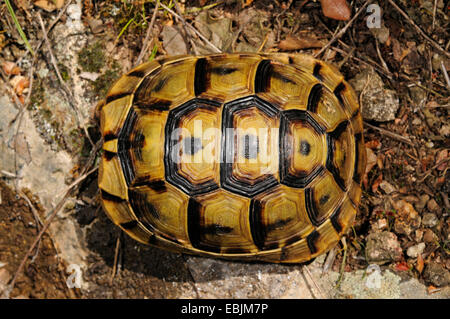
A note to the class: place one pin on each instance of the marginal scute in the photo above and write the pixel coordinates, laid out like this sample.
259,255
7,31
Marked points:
111,179
113,115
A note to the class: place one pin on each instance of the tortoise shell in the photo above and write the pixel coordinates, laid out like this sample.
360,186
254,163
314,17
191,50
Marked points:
237,156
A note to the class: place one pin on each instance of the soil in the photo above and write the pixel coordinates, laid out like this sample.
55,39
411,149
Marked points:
415,171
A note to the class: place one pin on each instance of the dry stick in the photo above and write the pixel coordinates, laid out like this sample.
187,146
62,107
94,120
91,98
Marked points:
116,255
61,81
411,21
344,29
201,36
381,58
147,35
186,33
319,290
427,173
390,134
54,212
444,71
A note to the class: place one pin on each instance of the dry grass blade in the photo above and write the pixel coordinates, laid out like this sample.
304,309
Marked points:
390,134
18,27
147,35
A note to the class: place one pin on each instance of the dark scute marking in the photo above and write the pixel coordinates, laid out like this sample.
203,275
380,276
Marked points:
251,146
311,207
161,83
340,88
129,225
223,70
109,136
280,223
283,78
312,240
324,199
291,60
192,145
137,73
316,71
200,77
153,240
257,229
305,147
356,175
142,207
193,221
111,98
216,229
109,155
154,105
110,197
157,186
314,97
331,137
141,181
262,76
334,220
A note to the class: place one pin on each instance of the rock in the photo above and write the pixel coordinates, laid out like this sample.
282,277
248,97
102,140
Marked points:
429,236
433,206
378,103
415,250
422,202
382,248
387,188
5,276
173,41
96,25
407,218
437,275
429,220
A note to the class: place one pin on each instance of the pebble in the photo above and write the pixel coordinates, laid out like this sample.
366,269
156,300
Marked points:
437,275
429,236
415,250
429,220
387,188
382,247
432,205
422,201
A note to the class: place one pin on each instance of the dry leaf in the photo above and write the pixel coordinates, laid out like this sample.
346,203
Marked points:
10,68
371,161
19,83
335,9
49,5
376,183
419,265
294,43
373,144
442,155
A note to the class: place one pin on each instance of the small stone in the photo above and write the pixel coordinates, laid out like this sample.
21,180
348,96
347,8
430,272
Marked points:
429,236
416,121
429,220
437,275
422,201
96,25
432,205
382,248
419,235
444,130
429,144
387,188
378,103
415,250
5,276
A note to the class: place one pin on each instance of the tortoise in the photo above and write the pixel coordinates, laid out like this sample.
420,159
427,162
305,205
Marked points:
245,156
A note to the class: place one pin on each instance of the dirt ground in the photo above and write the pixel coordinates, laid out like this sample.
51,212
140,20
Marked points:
406,185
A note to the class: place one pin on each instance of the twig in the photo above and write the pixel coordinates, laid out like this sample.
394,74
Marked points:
381,58
427,173
390,134
54,212
444,71
116,255
201,36
329,260
411,21
344,29
344,259
147,35
434,14
311,278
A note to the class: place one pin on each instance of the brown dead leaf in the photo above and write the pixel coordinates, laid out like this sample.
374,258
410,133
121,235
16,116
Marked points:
10,68
294,43
377,183
442,155
335,9
371,161
19,83
49,5
373,144
420,264
397,50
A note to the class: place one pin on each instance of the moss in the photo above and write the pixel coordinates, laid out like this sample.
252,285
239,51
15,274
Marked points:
92,58
64,70
103,83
